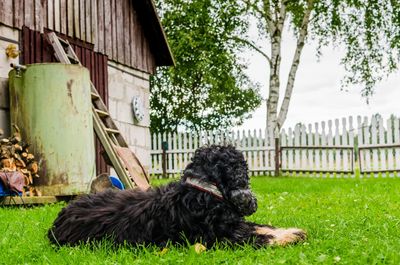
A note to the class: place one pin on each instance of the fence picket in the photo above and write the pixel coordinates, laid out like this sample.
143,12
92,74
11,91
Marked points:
310,152
290,152
170,155
265,152
396,130
367,141
161,137
324,155
360,138
297,160
374,141
390,161
284,154
237,139
185,150
271,147
243,143
260,142
179,153
338,160
344,152
382,151
254,147
304,151
317,142
191,147
248,147
350,154
330,151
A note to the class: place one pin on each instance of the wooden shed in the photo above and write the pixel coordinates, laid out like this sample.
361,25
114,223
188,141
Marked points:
121,42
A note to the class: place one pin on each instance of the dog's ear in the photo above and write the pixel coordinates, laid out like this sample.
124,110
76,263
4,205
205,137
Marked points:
205,164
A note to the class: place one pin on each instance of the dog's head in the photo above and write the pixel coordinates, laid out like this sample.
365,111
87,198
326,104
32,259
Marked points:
227,169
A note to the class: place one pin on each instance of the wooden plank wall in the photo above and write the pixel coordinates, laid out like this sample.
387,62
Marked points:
112,26
36,49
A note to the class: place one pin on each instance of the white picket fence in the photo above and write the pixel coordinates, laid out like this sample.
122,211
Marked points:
327,149
379,147
257,147
320,150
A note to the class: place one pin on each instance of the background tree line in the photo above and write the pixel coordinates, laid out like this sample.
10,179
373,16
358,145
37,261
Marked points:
208,88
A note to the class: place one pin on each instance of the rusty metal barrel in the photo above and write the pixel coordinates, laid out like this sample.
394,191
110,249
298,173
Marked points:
51,106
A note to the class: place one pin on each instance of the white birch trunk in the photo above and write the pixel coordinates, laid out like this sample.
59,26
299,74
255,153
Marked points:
275,63
295,64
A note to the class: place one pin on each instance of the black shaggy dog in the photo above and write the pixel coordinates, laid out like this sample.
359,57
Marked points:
207,205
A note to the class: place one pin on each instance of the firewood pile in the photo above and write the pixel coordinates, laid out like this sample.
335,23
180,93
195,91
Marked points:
15,156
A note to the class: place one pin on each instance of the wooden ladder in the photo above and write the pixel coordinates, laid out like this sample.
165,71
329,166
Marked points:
124,161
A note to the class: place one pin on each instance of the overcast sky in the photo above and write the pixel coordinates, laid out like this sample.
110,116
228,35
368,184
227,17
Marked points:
317,95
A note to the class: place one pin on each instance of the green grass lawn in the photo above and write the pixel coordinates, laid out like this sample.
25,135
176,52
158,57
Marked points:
349,221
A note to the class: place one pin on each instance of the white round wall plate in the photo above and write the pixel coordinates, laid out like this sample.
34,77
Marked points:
137,108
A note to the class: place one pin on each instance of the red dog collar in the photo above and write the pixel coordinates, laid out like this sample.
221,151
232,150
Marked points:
204,186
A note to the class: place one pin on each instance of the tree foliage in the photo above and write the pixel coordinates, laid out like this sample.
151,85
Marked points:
367,30
207,89
212,31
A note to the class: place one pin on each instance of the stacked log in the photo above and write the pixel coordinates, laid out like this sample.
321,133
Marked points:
15,156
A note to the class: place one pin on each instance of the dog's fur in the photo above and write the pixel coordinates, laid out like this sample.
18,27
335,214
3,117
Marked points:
176,212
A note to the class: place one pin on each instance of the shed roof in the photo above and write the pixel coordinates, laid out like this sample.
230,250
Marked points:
158,39
127,31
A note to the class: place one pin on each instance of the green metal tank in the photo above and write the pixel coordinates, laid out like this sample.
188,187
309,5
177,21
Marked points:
51,105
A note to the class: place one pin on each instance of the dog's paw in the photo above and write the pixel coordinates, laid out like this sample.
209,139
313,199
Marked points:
283,237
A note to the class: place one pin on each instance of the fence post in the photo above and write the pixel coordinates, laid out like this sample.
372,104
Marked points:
277,156
164,158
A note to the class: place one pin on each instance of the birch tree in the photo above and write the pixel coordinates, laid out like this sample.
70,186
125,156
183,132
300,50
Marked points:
368,30
208,34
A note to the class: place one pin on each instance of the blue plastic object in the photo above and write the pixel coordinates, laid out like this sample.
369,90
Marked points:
5,192
116,182
2,191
